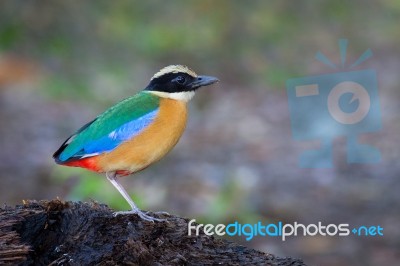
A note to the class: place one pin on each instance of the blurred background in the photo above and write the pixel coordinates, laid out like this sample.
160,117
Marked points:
63,62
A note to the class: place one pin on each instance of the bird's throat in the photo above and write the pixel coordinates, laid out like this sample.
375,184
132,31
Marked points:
183,96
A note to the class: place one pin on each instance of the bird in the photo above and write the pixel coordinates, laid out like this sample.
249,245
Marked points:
136,132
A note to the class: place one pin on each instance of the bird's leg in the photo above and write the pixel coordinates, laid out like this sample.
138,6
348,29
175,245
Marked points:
112,177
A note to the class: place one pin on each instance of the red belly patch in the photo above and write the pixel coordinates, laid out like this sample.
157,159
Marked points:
89,163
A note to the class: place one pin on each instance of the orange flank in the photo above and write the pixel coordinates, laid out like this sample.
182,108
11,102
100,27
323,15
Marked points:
150,145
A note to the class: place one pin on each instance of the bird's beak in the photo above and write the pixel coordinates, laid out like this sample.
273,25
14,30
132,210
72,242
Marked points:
203,81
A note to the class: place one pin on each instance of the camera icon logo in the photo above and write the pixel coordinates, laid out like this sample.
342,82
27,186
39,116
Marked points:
327,106
358,92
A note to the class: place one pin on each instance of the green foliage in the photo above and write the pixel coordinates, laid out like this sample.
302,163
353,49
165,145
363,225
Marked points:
9,35
61,87
231,205
76,40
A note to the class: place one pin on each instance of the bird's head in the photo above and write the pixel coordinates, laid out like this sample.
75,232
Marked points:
177,82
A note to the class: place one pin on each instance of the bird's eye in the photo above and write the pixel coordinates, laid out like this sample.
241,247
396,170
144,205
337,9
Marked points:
180,79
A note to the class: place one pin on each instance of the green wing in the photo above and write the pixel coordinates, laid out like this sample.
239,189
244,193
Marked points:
119,123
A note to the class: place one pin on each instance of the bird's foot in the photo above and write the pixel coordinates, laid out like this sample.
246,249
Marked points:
141,214
160,213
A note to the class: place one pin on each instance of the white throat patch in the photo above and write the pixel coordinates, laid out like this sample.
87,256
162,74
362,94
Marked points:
183,96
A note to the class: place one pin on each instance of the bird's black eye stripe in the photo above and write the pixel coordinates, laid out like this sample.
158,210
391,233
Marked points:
171,82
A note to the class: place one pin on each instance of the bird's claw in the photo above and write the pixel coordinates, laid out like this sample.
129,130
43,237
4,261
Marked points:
160,213
141,214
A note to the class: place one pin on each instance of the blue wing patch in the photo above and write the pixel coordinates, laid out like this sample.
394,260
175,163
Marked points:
125,132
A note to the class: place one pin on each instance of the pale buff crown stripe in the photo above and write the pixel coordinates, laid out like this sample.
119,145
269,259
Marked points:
174,69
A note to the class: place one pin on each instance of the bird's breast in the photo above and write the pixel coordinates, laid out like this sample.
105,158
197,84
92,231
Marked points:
152,143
